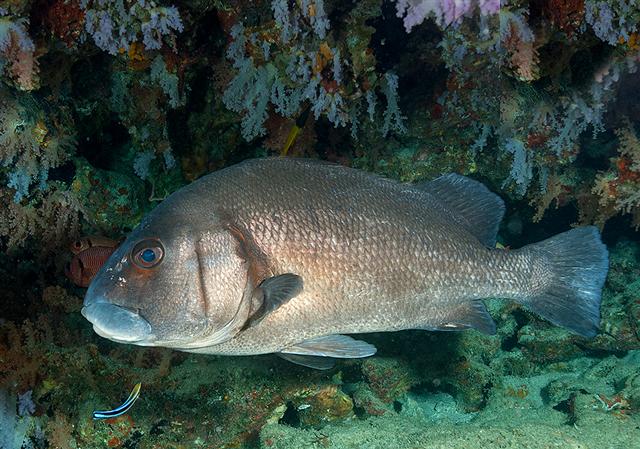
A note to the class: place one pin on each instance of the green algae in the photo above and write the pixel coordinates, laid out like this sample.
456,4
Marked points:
116,200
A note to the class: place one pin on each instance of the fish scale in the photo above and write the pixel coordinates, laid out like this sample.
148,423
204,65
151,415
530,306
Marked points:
385,280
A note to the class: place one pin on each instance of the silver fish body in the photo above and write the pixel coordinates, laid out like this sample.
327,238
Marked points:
284,256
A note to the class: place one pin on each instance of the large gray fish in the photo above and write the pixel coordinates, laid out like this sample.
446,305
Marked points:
286,255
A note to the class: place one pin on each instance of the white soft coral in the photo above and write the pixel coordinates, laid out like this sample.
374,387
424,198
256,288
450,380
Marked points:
444,12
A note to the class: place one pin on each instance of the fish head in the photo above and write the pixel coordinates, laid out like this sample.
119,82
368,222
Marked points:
169,284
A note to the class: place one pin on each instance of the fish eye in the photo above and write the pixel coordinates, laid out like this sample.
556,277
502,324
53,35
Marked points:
147,253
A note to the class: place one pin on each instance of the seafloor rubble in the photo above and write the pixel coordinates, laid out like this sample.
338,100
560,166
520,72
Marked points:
108,106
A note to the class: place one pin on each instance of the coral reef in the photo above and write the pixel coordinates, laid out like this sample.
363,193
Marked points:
283,70
617,189
108,106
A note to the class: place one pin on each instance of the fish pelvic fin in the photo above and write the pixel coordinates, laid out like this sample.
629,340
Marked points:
310,361
471,203
338,346
578,262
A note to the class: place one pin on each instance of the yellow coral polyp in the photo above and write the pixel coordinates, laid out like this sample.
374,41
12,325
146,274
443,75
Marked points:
633,43
48,385
323,57
136,52
40,132
76,185
312,10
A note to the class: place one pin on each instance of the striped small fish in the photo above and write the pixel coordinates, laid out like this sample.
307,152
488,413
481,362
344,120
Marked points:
121,410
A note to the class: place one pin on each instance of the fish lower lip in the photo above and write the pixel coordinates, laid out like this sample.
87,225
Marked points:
117,323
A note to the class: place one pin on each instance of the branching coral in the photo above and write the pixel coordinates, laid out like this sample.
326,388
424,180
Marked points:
28,148
116,24
552,126
297,65
17,52
21,350
50,216
146,120
629,148
444,12
612,20
519,44
534,113
618,190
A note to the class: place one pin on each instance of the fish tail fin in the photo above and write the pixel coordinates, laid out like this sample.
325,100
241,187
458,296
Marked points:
574,266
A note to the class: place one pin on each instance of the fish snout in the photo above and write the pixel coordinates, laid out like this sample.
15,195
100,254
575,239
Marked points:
116,322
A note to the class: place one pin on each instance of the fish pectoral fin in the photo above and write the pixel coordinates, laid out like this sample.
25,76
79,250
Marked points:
338,346
470,315
310,361
272,293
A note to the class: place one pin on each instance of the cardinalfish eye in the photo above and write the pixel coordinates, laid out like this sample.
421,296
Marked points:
147,253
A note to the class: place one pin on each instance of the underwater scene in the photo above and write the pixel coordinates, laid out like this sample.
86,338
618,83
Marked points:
282,224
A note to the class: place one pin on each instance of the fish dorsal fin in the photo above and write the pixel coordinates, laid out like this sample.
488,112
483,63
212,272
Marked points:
469,315
310,361
338,346
474,206
272,293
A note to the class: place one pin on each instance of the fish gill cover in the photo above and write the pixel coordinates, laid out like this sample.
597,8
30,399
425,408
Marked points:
108,106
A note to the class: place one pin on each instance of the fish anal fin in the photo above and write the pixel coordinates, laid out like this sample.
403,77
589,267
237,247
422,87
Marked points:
472,204
470,315
338,346
310,361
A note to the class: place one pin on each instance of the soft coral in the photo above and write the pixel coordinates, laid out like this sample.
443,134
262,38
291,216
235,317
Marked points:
17,52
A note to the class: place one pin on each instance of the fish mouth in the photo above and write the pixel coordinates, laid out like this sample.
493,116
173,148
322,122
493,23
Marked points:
116,323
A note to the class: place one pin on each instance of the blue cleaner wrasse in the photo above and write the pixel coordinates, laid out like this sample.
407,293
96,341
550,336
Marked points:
121,410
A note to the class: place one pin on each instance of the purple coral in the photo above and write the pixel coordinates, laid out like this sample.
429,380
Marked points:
611,20
162,22
444,12
114,26
26,406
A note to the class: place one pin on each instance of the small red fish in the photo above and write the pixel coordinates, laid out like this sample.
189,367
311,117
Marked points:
77,246
90,254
